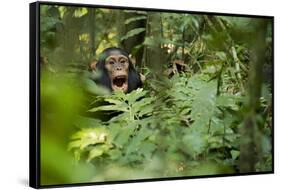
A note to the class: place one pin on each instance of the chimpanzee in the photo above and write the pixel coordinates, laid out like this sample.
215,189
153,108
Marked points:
117,71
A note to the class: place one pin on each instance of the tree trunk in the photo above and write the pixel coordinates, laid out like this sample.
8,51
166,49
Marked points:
135,40
92,32
154,54
250,145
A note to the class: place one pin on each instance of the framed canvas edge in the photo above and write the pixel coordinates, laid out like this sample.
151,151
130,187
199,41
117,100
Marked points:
34,95
152,9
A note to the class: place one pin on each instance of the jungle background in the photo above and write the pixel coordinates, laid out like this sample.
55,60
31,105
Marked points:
205,107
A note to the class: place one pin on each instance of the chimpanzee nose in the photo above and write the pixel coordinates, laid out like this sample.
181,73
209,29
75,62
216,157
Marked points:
119,68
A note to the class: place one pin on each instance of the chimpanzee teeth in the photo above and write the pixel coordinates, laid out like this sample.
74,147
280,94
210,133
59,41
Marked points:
120,77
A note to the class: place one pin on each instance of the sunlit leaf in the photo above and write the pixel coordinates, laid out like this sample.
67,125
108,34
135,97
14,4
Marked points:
98,151
128,21
108,108
132,33
147,149
234,154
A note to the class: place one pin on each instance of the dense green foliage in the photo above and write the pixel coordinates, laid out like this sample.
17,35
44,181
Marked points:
199,119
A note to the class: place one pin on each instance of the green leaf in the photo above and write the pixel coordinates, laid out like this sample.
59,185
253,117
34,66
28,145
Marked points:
123,136
74,144
115,154
88,136
149,41
194,142
228,100
203,106
95,152
146,110
98,151
91,87
132,33
87,122
216,142
79,12
143,106
147,149
135,95
108,108
234,154
221,55
113,101
266,93
266,145
128,21
136,141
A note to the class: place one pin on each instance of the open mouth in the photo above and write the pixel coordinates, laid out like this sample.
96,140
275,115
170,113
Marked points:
120,83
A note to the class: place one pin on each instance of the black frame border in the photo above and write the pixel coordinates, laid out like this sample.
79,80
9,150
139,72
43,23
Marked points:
34,94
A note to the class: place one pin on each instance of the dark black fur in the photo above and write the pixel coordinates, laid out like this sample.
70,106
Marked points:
134,80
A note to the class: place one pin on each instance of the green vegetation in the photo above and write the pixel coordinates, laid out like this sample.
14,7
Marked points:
205,108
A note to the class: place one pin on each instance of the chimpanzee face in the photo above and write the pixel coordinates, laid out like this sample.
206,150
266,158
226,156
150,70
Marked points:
117,67
117,71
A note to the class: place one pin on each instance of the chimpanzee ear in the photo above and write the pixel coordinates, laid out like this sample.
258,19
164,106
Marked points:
133,61
93,65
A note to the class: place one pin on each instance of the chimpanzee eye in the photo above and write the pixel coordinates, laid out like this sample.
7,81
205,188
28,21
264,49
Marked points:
123,61
111,62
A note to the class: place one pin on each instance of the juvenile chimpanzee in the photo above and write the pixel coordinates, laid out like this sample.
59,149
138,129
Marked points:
117,71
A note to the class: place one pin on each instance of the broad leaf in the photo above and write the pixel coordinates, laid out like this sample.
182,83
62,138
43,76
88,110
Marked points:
132,33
